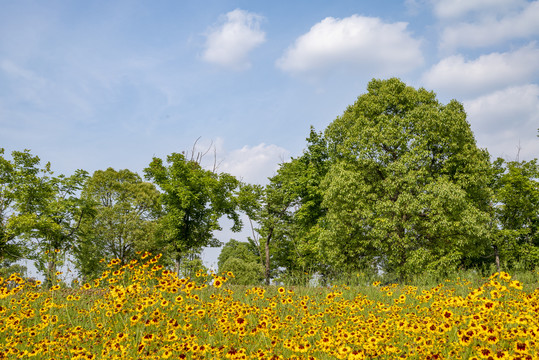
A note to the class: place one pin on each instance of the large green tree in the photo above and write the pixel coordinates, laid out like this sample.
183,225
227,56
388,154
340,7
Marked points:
193,199
407,188
125,212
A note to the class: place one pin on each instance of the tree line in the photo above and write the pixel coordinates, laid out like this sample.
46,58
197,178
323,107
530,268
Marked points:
396,184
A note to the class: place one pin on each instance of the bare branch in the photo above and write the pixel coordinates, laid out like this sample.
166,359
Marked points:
214,159
194,146
255,237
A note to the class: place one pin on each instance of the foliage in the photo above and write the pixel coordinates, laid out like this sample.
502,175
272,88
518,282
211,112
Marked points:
124,214
193,199
191,266
7,269
517,212
272,214
46,213
54,223
9,249
242,259
407,188
301,178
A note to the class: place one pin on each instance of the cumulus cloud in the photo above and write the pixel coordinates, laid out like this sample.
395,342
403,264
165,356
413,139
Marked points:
455,74
361,42
254,164
457,8
506,119
492,30
229,43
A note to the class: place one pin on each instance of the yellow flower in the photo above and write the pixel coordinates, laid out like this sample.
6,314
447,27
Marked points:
492,339
241,322
505,276
515,284
343,351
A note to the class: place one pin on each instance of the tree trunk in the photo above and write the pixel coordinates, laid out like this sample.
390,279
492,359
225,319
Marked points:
497,257
177,267
50,278
266,248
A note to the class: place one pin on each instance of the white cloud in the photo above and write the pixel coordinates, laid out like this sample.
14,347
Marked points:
458,8
492,30
229,44
254,164
364,43
488,72
506,119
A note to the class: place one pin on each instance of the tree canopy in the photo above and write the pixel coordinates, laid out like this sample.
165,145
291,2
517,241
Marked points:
41,211
517,213
407,188
193,200
124,213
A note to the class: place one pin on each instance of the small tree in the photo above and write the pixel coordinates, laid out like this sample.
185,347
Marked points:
272,214
243,261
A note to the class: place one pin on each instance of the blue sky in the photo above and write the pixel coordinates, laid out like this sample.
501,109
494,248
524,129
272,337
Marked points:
99,84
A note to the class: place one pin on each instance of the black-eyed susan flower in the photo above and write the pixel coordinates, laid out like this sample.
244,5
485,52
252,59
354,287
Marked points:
515,284
492,339
521,347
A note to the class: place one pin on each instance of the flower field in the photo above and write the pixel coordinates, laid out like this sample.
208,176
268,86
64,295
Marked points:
141,311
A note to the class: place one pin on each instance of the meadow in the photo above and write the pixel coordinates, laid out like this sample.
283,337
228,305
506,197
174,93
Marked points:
143,311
